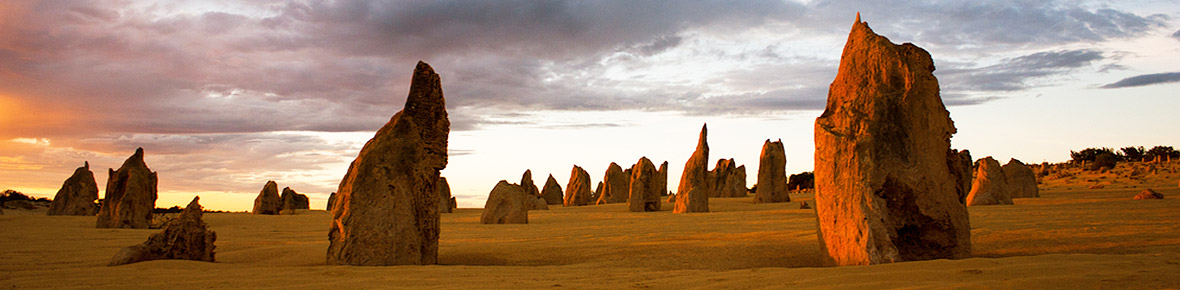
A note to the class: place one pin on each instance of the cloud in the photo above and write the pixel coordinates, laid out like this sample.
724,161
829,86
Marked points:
1144,80
1018,73
1176,35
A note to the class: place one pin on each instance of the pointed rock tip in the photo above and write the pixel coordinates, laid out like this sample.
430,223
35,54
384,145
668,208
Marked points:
423,67
857,16
86,164
195,204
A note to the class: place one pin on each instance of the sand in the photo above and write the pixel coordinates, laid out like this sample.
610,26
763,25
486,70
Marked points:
1069,238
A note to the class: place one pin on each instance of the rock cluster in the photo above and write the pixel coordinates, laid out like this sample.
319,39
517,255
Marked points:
268,200
729,180
695,184
551,192
130,195
644,186
577,191
1022,182
184,238
886,189
1149,194
507,204
772,174
535,200
386,212
990,186
77,194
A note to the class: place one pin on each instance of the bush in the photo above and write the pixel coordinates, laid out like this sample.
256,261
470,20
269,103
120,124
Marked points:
1090,154
1104,160
805,180
1163,152
1133,153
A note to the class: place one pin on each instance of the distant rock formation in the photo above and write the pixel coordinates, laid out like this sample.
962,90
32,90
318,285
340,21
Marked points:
1149,194
616,185
772,174
577,191
387,204
538,203
130,195
990,186
695,184
551,192
1022,182
884,171
526,183
184,238
597,193
77,194
961,166
293,202
331,202
729,180
644,187
268,200
507,204
445,200
662,179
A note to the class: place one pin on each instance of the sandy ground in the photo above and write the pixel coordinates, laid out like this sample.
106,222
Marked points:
1072,237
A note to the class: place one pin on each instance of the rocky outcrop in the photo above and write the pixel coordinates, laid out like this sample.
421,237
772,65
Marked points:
526,183
962,167
1022,182
772,174
597,194
507,204
662,179
1149,194
990,186
294,202
268,200
729,180
644,187
551,192
130,195
387,204
695,184
577,191
184,238
77,194
445,204
616,185
885,187
331,202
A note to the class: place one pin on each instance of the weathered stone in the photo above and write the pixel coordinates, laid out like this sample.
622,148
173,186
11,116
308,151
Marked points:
77,194
551,192
885,188
507,204
597,194
184,238
331,202
616,185
990,186
1022,182
644,187
772,174
444,196
538,203
662,179
130,195
387,204
294,202
729,180
804,205
268,200
1149,194
695,184
962,166
526,183
577,191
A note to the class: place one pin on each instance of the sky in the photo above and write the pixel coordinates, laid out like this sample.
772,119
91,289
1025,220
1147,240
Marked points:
225,95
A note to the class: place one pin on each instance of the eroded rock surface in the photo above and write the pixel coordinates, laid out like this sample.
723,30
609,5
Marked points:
77,194
268,200
772,174
695,183
184,238
130,195
507,204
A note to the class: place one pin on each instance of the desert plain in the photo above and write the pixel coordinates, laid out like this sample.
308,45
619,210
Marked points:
1072,237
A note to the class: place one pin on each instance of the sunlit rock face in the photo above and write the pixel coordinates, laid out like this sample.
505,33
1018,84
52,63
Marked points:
130,195
77,194
991,186
887,188
1022,182
644,186
577,191
386,208
695,183
184,238
268,200
772,174
506,204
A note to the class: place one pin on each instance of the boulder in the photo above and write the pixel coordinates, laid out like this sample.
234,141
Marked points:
507,204
577,191
804,205
444,196
729,180
644,187
886,189
268,200
184,238
616,185
772,174
130,195
1022,182
662,179
294,202
77,194
386,212
538,203
695,184
1149,194
990,186
551,192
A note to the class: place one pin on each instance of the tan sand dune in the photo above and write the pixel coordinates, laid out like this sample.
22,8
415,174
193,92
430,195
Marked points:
1065,239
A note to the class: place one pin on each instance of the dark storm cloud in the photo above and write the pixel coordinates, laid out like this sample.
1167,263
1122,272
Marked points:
1018,73
1176,35
1144,80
